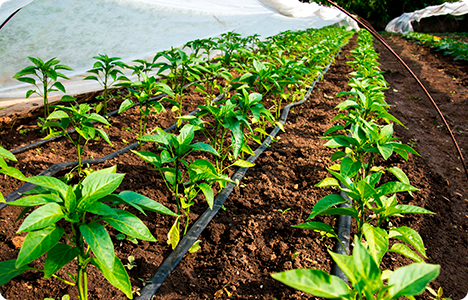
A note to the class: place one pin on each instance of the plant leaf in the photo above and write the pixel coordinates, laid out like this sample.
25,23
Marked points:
314,282
325,203
49,183
208,192
42,217
129,224
8,270
36,200
117,276
37,243
406,251
412,280
146,203
377,241
57,257
100,242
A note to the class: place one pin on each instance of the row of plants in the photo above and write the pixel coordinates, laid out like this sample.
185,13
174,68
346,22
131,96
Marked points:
276,70
364,139
450,47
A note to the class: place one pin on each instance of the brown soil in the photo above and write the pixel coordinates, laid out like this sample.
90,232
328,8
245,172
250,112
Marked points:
253,237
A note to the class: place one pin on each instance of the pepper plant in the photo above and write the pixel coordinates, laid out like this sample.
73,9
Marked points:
144,91
47,74
81,118
366,279
184,179
87,208
107,72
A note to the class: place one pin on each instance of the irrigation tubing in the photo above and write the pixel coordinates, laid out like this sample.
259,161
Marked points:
196,229
382,40
55,168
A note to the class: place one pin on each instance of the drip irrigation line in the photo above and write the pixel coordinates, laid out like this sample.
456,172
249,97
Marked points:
344,235
382,40
55,168
196,229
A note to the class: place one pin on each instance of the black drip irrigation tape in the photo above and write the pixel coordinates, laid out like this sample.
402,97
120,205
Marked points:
111,114
196,229
55,168
344,235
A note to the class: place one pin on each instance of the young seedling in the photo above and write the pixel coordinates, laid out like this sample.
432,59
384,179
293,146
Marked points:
79,117
106,74
47,74
87,208
366,278
184,179
144,91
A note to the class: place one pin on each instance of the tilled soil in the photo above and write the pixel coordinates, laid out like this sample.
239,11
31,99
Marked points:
253,236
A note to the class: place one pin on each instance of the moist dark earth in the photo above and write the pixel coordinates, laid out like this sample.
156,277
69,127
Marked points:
253,237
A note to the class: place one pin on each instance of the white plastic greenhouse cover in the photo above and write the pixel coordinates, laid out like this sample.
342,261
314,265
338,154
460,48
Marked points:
76,30
403,22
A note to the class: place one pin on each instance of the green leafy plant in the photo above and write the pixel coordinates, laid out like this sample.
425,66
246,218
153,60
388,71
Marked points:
106,74
144,91
87,208
79,117
47,74
7,170
184,179
366,278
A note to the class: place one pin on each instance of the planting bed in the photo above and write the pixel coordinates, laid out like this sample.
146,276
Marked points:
253,236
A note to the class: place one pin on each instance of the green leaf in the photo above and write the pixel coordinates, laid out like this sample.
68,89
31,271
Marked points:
325,203
406,251
100,242
317,226
97,185
37,243
337,155
27,80
395,187
208,192
377,241
104,136
42,217
146,203
59,85
346,264
8,270
409,236
411,209
367,268
314,282
99,208
243,163
58,114
13,172
328,182
57,257
204,147
67,98
385,150
399,174
36,200
49,183
186,135
117,276
6,154
98,118
347,211
412,280
129,224
125,105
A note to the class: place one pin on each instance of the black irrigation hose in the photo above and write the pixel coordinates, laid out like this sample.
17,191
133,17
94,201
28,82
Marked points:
196,229
344,235
55,168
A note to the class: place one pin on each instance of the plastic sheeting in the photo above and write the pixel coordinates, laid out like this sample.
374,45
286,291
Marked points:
403,22
76,30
